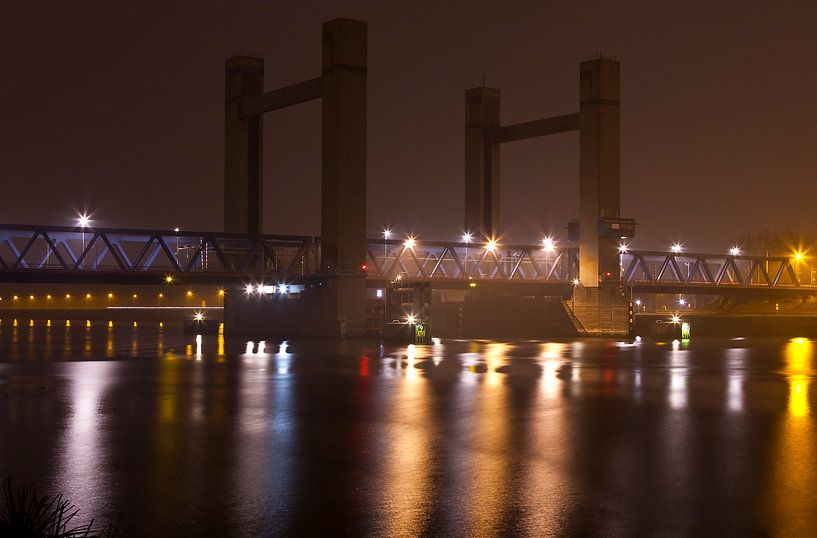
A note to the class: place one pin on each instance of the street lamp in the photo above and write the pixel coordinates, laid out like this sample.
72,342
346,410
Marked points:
466,238
676,248
548,245
386,236
83,221
734,251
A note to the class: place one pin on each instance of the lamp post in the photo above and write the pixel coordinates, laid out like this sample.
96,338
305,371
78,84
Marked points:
466,238
386,237
548,245
83,221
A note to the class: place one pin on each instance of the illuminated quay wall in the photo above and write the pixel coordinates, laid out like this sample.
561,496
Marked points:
170,302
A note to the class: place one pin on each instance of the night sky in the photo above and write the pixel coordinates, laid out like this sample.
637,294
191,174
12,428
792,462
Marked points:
118,108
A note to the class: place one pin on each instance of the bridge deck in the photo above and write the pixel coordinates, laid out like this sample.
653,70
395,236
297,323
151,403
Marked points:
113,255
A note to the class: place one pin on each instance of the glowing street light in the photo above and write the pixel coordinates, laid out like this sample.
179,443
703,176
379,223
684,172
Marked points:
490,246
734,251
676,248
548,245
411,319
676,319
576,282
410,242
798,256
199,316
386,233
467,237
682,301
622,248
83,221
249,289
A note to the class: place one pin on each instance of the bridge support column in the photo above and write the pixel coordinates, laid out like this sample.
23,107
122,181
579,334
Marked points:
242,148
602,311
482,118
343,186
599,168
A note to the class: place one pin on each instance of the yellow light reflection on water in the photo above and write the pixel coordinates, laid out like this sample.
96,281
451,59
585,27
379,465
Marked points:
407,466
798,366
494,357
790,509
489,479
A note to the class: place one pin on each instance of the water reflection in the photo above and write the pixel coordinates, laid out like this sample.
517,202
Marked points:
678,376
735,365
795,458
83,462
407,466
456,438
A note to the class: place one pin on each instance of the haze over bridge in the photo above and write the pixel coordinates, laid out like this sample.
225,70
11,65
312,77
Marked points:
593,265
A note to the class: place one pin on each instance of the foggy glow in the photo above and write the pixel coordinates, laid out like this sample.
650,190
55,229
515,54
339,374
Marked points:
548,244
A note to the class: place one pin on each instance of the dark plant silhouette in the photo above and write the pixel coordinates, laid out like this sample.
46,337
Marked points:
28,515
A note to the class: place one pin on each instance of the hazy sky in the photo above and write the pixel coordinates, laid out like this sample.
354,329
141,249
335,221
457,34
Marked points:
118,108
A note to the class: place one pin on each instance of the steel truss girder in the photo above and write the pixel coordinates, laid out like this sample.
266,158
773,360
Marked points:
62,249
742,271
27,249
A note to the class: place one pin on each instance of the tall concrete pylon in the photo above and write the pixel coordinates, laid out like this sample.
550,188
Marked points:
599,176
242,147
343,172
482,118
342,90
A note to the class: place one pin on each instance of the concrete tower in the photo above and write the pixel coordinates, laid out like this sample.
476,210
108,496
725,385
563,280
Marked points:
482,168
242,147
598,169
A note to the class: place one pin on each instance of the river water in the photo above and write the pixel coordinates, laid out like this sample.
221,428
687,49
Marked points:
189,436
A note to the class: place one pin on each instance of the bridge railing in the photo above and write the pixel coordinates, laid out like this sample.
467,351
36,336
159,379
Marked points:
111,250
435,260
